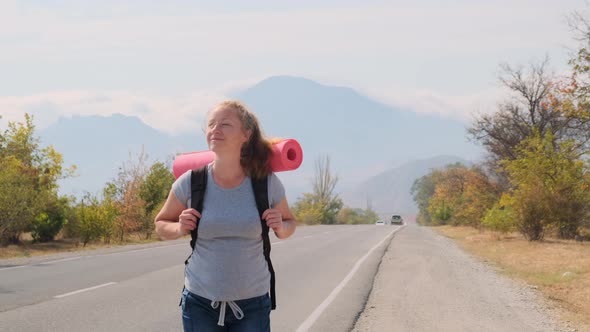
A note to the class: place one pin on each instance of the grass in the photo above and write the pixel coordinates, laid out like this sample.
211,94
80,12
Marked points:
560,269
28,249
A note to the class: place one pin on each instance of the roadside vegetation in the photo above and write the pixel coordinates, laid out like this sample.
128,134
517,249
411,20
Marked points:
324,206
536,178
35,218
527,207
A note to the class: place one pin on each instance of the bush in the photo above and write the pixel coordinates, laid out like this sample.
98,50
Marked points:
499,219
356,216
93,220
308,216
45,227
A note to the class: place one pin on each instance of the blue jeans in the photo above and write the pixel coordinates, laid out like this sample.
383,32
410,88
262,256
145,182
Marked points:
198,315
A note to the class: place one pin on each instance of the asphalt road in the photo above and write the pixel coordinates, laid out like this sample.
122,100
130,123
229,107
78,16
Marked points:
324,277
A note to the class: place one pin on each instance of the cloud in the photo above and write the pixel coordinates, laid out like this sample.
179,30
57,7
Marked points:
182,114
180,47
461,107
171,114
429,28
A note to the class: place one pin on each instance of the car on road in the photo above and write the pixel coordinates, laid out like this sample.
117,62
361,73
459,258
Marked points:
397,220
379,222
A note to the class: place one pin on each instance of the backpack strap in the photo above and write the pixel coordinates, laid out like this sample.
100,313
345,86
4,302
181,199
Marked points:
198,186
260,187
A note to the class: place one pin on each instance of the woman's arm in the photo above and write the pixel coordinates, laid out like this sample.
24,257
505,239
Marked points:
280,219
167,222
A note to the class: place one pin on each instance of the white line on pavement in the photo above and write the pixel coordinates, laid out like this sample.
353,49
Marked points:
12,267
88,256
320,309
84,290
60,260
132,251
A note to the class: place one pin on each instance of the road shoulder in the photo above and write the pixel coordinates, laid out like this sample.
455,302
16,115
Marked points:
426,283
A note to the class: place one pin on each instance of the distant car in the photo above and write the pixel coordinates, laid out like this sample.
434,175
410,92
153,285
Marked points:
380,222
397,220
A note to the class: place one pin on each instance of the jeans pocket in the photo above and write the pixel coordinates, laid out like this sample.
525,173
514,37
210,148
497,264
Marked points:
183,299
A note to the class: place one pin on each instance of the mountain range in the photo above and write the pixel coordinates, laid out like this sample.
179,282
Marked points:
376,150
389,192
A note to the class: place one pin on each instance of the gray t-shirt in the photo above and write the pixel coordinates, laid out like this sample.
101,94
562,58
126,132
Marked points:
228,262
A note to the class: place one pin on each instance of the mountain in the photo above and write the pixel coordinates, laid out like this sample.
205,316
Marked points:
361,136
389,192
99,145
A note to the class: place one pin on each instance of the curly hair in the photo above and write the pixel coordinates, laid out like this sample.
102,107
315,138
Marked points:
255,154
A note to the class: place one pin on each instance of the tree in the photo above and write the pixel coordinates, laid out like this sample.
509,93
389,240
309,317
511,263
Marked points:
479,195
500,218
580,61
307,210
50,222
18,206
93,220
448,193
154,191
19,141
422,190
124,192
549,189
454,195
350,216
539,105
323,204
29,180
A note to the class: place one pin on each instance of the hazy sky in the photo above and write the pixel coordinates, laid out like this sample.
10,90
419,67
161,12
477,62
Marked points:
169,61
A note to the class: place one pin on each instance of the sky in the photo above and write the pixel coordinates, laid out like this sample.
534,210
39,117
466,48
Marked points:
168,62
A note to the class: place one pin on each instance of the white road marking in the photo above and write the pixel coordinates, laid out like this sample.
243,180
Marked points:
138,250
320,309
84,290
60,260
306,237
87,256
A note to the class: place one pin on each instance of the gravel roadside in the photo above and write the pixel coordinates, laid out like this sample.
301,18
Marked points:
426,283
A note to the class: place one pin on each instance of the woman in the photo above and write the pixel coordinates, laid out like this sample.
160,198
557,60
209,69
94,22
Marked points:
227,267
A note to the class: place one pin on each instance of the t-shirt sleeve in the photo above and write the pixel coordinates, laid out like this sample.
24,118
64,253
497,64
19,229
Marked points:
276,190
182,188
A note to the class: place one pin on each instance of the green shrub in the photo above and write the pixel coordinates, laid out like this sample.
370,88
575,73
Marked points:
499,219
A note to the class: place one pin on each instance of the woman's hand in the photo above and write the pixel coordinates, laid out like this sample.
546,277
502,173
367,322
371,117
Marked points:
188,220
274,219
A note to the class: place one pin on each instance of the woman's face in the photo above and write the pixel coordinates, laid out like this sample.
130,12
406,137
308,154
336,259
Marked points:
225,131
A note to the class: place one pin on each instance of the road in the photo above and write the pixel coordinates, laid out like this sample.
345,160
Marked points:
324,277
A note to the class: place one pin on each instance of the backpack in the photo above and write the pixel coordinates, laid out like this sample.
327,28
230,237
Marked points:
260,188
